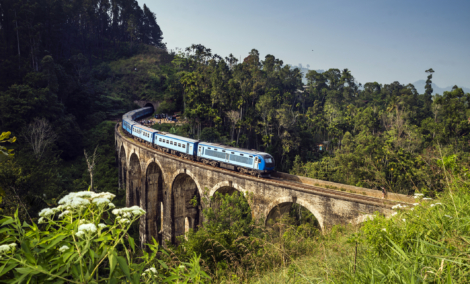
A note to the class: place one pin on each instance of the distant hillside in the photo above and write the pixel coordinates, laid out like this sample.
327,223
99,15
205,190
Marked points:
419,85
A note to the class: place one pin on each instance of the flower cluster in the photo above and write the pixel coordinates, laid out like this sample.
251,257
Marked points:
77,200
150,271
398,206
418,195
63,248
4,249
438,203
124,215
86,229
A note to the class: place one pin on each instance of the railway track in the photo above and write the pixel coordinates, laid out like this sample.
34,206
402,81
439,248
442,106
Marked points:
298,186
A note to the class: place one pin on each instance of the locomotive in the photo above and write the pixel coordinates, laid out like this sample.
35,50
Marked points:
236,159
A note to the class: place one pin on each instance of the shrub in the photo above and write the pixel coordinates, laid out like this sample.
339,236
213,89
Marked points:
83,240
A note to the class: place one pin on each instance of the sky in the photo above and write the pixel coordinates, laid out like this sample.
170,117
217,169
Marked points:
377,40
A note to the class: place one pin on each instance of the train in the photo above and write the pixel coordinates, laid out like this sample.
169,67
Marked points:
246,161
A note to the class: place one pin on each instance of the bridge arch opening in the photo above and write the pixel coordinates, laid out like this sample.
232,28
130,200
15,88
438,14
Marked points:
122,168
154,202
135,184
185,203
292,214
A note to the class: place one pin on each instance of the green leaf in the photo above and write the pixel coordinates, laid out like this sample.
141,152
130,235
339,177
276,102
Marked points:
112,262
27,270
27,252
6,268
57,239
131,242
125,269
7,221
162,263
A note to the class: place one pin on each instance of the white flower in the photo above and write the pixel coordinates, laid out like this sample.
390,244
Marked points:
397,206
7,248
124,221
41,220
106,195
63,248
384,229
79,202
102,226
88,228
63,214
448,216
427,198
127,212
412,209
80,234
394,213
415,204
419,194
147,271
46,212
101,201
404,220
4,249
111,205
438,203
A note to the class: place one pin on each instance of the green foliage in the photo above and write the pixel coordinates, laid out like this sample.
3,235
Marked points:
84,244
5,137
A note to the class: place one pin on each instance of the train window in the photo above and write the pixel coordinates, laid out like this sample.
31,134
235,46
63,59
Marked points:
215,149
171,142
233,152
160,139
251,156
167,141
179,144
269,160
184,146
223,151
208,147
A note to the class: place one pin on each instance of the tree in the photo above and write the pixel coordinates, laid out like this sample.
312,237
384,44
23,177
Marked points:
40,136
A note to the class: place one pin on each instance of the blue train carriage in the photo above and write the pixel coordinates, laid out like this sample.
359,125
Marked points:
127,124
144,134
141,112
176,145
242,160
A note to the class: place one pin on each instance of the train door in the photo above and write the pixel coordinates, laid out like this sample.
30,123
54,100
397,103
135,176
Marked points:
187,148
257,161
227,157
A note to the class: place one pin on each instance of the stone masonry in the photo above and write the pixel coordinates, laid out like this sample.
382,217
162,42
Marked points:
167,186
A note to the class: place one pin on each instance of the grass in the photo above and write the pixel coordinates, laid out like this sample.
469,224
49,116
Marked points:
427,244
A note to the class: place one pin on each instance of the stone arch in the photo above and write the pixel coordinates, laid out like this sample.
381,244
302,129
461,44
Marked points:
282,203
183,190
135,181
189,173
152,201
122,167
226,184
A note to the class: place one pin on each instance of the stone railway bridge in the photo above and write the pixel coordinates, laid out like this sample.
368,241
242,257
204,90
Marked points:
164,185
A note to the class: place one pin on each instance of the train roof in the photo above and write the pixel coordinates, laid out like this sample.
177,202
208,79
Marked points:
145,128
218,145
166,134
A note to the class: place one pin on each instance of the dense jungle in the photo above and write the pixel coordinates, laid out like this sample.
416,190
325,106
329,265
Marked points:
70,69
